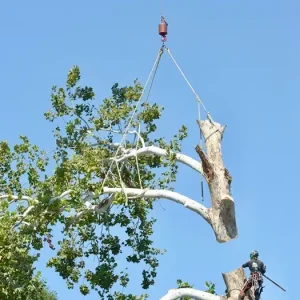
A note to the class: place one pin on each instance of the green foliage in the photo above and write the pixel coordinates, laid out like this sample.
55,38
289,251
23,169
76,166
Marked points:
18,280
181,285
211,287
86,133
45,294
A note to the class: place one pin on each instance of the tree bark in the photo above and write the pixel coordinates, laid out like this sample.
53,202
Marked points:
162,194
222,212
234,282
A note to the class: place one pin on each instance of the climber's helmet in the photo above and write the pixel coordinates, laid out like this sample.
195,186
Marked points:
254,254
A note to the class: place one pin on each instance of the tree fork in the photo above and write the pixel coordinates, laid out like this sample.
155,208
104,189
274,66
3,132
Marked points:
222,212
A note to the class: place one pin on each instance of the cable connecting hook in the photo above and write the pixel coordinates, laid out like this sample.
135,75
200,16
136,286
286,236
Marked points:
163,39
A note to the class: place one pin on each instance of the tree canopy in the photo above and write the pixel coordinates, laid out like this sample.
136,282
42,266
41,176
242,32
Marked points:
85,175
98,185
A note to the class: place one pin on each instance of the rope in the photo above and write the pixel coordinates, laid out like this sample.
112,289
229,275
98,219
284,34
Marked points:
199,103
136,159
154,70
185,78
122,183
194,92
201,145
161,51
132,116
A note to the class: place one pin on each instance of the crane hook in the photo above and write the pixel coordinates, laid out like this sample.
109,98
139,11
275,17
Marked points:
163,29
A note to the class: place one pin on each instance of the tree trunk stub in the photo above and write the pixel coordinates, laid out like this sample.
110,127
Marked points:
234,282
222,212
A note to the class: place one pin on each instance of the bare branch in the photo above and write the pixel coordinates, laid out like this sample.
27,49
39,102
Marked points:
128,132
99,208
64,194
163,194
153,150
16,198
24,215
138,193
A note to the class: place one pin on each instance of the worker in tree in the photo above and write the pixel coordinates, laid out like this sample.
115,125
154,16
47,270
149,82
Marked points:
258,268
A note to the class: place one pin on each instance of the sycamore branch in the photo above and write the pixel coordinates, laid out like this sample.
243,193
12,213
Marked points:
163,194
189,292
24,215
64,194
109,129
98,208
153,150
15,198
30,208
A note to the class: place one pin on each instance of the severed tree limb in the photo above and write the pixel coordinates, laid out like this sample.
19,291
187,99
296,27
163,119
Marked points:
222,212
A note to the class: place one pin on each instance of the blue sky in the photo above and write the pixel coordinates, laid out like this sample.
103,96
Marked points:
242,57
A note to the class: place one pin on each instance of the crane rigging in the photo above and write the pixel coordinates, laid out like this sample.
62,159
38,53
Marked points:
163,31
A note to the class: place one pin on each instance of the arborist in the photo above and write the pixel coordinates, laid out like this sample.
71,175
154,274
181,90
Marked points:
257,270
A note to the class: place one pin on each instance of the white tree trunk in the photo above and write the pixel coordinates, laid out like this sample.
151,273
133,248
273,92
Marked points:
222,212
